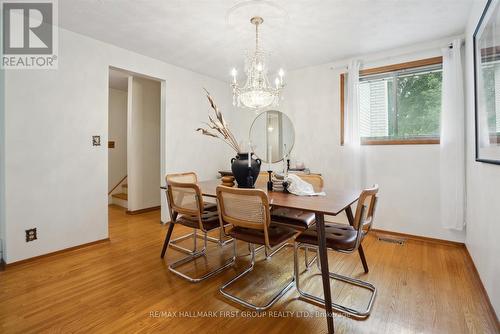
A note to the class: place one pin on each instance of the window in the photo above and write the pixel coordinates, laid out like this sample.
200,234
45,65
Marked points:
399,104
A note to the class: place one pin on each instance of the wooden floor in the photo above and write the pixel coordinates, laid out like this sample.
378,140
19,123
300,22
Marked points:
122,286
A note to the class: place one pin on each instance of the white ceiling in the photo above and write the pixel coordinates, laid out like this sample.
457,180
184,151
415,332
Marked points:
202,36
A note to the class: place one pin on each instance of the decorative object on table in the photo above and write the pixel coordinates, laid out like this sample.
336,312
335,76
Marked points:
285,186
273,136
257,93
270,182
228,181
299,165
285,161
225,173
486,73
295,169
218,127
299,187
245,170
278,179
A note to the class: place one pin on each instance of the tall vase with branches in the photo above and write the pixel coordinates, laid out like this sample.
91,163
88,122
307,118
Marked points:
217,126
245,168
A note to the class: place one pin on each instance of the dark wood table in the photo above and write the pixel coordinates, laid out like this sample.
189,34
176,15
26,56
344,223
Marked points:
335,202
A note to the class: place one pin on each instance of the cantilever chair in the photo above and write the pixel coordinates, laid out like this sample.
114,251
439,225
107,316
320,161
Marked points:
247,210
262,180
189,177
298,219
345,239
315,179
187,208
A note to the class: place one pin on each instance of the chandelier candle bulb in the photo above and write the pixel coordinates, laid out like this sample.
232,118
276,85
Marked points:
234,73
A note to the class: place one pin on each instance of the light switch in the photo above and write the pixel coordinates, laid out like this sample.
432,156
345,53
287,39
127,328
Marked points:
96,140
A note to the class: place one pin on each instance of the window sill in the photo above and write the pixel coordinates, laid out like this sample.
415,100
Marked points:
415,141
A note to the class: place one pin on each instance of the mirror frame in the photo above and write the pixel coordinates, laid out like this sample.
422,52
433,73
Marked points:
293,128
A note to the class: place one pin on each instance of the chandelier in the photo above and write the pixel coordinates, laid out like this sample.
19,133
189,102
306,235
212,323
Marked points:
257,93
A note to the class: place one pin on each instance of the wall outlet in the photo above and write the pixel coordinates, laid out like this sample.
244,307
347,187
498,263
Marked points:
31,234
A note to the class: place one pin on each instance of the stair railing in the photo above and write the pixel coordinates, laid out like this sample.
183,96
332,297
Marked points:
123,179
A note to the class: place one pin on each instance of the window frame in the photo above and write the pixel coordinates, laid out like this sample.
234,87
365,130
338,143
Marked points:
381,70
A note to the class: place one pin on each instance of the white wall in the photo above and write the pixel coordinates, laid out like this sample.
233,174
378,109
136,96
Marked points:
57,181
144,144
408,175
117,132
483,182
2,163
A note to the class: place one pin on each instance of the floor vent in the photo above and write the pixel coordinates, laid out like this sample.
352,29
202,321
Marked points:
392,240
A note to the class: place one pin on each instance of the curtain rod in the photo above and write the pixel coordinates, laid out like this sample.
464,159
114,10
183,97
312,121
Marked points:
449,45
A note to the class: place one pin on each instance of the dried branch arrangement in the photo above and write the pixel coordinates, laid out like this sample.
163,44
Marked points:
218,128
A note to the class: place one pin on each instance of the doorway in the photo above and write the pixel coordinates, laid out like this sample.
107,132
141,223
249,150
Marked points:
134,141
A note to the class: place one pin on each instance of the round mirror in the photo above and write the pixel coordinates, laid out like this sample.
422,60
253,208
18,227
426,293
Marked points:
272,136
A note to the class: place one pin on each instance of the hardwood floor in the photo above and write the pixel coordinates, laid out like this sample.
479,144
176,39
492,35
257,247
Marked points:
122,286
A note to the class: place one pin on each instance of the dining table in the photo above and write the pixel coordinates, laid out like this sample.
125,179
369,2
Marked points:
334,202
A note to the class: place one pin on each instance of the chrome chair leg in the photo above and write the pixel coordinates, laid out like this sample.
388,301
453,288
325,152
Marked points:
173,242
195,235
314,259
193,256
338,307
245,303
256,249
221,240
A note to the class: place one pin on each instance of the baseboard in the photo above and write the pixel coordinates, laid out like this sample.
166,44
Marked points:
419,238
35,258
483,290
137,212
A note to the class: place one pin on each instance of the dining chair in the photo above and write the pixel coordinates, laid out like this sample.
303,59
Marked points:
189,177
345,239
299,219
248,212
315,180
262,179
186,207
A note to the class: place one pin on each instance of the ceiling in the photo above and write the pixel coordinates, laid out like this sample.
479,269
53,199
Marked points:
211,36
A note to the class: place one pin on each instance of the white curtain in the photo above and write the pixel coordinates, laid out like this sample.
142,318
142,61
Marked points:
452,140
352,157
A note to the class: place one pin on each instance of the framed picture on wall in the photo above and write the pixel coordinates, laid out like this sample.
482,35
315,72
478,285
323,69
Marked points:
486,43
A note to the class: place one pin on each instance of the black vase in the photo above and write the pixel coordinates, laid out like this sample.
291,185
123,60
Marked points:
245,176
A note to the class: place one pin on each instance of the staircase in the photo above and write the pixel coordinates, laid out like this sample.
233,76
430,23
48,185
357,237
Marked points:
121,198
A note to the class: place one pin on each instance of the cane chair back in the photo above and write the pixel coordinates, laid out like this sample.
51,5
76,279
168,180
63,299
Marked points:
245,208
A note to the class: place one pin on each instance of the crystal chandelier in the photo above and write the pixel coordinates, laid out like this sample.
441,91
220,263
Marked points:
257,92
